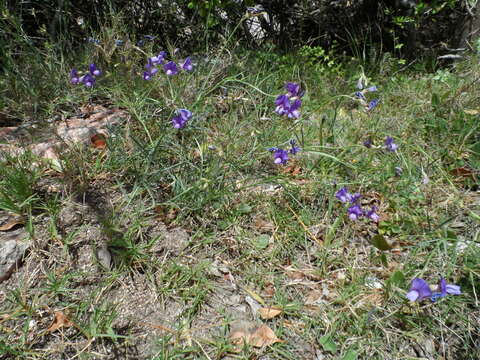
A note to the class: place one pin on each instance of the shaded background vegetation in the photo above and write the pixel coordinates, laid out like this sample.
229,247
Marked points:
400,26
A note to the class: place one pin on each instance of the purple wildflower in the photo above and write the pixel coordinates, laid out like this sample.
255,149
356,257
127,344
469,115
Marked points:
280,156
445,289
179,121
368,143
283,104
371,89
93,40
372,104
154,60
359,95
390,145
94,70
354,198
294,149
170,68
74,79
343,195
119,42
147,75
293,89
372,214
354,212
151,70
187,64
159,59
88,80
419,290
149,37
293,110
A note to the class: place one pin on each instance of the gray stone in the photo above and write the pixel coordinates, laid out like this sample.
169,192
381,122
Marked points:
11,254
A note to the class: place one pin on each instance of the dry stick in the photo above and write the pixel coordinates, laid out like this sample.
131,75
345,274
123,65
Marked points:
304,226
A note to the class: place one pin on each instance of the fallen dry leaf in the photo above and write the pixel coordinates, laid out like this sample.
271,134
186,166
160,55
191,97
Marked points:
293,170
471,111
59,321
300,274
264,226
313,297
463,171
267,313
99,141
10,222
269,290
248,333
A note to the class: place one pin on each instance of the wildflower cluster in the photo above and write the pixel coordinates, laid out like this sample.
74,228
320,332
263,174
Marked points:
179,121
420,289
362,91
280,156
289,103
170,68
355,211
88,79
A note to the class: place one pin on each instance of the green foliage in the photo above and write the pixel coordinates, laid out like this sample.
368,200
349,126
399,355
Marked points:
17,180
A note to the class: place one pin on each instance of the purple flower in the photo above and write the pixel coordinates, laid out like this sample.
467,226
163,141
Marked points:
372,104
159,59
368,143
170,68
74,79
354,212
293,89
372,214
94,70
149,37
88,80
343,195
445,289
280,156
154,60
390,145
187,64
119,42
371,89
419,290
147,75
293,110
283,104
294,149
354,198
179,121
92,40
359,95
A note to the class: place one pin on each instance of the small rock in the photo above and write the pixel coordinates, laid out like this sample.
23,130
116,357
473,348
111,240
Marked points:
173,241
71,215
104,257
11,253
373,283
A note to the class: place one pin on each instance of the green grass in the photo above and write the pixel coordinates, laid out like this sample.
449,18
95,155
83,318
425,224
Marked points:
252,221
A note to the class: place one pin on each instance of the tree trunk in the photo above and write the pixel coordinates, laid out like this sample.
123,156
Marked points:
468,29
